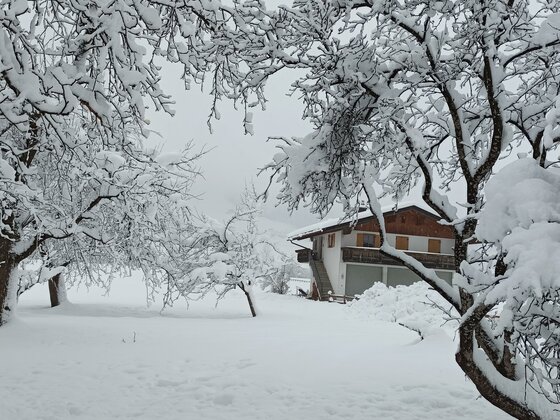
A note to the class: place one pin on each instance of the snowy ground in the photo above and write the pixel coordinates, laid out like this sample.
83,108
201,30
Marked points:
111,358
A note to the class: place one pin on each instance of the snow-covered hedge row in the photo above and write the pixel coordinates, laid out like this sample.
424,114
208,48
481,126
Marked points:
412,306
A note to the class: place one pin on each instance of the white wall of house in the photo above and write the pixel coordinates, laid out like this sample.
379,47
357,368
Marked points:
415,243
332,259
447,246
349,240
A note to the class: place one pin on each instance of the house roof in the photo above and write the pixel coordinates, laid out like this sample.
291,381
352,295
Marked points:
333,224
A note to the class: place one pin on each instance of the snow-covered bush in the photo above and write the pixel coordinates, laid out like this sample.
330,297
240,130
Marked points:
286,268
417,307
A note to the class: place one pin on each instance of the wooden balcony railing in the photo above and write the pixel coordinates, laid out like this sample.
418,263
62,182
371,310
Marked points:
374,256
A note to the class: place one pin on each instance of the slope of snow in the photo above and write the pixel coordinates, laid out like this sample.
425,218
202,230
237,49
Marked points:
111,358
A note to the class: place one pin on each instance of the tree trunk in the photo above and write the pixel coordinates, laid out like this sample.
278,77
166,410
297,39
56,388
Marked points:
251,306
247,290
57,290
465,360
468,337
7,288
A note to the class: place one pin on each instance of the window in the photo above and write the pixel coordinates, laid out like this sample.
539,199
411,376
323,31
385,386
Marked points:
368,240
434,246
360,239
401,242
330,239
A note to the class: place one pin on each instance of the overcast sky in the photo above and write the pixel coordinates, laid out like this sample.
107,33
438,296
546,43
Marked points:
233,158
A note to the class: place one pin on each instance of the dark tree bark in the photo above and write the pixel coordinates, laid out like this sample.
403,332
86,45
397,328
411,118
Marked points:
249,298
57,290
7,266
465,360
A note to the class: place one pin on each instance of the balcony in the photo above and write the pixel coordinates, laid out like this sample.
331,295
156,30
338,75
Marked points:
374,256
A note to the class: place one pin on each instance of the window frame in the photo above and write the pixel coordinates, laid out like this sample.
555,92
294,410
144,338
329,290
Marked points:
361,240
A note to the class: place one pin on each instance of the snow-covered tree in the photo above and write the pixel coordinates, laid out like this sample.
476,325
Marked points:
236,253
429,94
75,81
519,225
283,267
92,208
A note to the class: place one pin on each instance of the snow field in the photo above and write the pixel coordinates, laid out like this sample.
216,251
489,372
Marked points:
112,358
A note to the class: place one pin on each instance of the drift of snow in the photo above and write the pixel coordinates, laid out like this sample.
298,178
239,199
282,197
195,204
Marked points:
416,307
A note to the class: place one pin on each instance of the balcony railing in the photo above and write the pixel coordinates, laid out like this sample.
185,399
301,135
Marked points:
374,256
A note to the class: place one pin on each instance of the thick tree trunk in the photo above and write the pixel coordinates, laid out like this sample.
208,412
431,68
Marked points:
465,360
469,334
7,289
57,290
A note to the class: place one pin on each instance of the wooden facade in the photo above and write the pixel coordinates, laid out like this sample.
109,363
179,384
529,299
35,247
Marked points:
375,256
410,221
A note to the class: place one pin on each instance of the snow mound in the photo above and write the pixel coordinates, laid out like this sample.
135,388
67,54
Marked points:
416,307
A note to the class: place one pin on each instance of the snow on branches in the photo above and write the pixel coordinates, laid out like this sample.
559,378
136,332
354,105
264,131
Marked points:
521,219
234,254
426,94
76,183
101,58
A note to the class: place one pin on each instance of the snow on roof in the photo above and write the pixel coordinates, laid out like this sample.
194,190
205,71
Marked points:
328,223
314,228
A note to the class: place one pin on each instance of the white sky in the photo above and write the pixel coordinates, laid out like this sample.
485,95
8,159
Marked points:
234,158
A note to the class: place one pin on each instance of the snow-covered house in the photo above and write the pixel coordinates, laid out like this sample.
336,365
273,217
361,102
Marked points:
345,259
